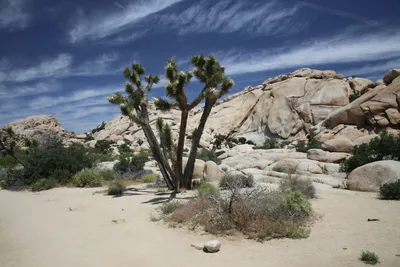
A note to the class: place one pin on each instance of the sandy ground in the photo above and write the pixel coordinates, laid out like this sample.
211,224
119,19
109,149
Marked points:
40,230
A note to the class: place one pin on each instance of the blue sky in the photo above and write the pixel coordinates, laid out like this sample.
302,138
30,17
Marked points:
65,57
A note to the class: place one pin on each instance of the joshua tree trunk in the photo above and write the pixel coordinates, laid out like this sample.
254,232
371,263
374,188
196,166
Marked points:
159,156
179,152
188,175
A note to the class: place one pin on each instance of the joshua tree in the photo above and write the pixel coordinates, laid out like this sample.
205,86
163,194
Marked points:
216,84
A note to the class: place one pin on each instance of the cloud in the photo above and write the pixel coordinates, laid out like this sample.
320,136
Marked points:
61,66
344,48
373,68
13,14
98,26
81,95
13,91
266,18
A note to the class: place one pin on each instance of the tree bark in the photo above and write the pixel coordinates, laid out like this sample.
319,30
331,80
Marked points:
188,174
179,152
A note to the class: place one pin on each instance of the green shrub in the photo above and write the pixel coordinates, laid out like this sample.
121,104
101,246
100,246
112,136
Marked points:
107,175
98,157
44,184
241,181
369,257
219,139
170,206
354,96
249,142
206,189
390,191
99,128
133,164
7,161
208,155
149,178
384,147
51,159
242,140
89,137
88,178
140,142
103,146
124,148
302,146
116,188
293,183
270,143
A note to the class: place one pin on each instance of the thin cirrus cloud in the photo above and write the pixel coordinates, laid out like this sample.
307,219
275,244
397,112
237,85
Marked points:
373,68
340,49
13,14
262,18
99,26
61,66
14,91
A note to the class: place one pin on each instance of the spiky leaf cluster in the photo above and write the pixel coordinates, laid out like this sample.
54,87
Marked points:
210,72
136,93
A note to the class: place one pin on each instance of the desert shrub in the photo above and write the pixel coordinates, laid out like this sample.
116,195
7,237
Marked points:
270,143
7,161
107,175
99,128
116,188
149,178
51,159
170,206
249,142
88,178
384,147
44,184
103,146
240,181
256,213
12,179
132,164
390,190
98,157
369,257
354,96
242,140
303,146
208,155
219,139
124,148
89,137
206,189
293,183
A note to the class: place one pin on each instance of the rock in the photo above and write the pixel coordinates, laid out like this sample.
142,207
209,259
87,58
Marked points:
308,166
393,115
120,142
212,173
360,85
91,143
199,167
107,165
115,138
80,136
325,156
371,176
212,246
379,82
286,166
391,75
338,145
365,139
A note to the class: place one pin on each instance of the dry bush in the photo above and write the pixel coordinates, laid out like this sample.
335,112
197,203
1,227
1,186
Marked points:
294,183
256,213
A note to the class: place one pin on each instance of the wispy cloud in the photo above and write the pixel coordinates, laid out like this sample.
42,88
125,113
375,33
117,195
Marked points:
81,95
100,25
344,48
62,66
13,91
13,14
373,68
259,18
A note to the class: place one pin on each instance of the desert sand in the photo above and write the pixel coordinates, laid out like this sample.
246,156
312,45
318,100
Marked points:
41,230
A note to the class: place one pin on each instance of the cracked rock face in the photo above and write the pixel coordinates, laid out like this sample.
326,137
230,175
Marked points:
288,106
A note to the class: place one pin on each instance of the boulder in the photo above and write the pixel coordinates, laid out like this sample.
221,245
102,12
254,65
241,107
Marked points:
286,166
361,85
199,167
326,156
91,143
212,172
107,165
338,145
391,75
371,176
365,139
80,136
308,167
